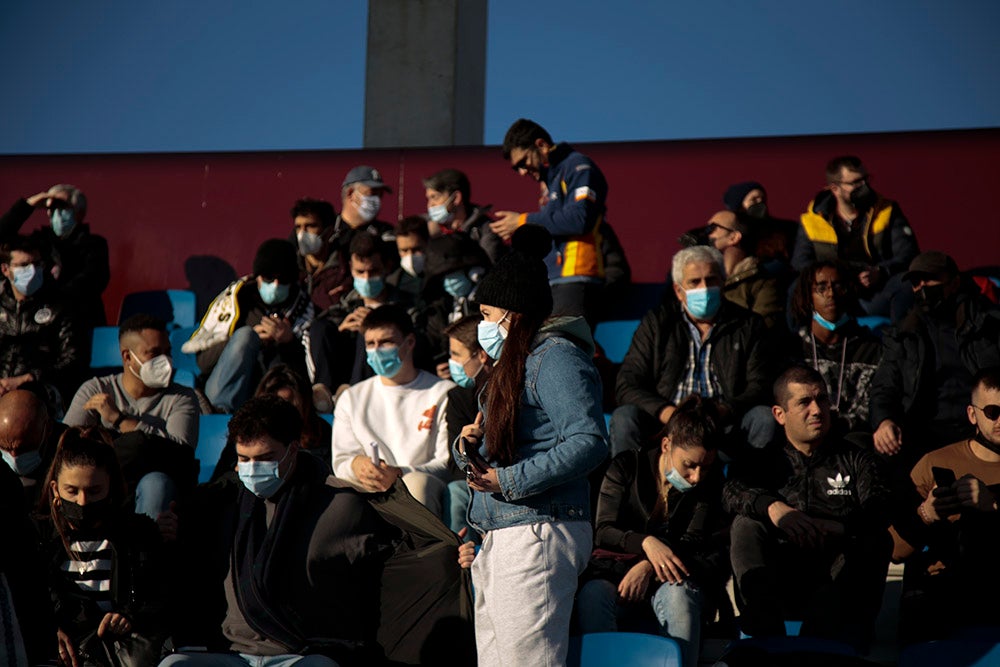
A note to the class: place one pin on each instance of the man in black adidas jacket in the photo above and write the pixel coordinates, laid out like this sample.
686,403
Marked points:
810,538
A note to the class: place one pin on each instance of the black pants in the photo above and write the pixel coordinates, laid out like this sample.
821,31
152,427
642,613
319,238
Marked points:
836,591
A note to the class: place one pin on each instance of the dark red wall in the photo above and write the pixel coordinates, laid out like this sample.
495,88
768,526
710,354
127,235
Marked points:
159,210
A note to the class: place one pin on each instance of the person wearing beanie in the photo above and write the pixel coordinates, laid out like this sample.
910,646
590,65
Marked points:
774,237
539,432
258,321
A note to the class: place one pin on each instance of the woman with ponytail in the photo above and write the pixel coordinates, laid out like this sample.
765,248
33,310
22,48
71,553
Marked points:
104,577
539,433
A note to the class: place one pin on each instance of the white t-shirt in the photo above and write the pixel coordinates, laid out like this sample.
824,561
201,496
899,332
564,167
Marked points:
407,422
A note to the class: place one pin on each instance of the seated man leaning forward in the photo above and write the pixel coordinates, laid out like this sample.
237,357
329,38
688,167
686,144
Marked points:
810,538
305,556
396,418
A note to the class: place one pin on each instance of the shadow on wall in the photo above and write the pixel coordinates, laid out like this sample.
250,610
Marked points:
207,275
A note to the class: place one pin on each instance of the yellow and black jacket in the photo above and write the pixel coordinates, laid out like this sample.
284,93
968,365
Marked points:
889,241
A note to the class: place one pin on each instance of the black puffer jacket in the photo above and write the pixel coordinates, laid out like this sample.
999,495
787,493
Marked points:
904,380
840,481
658,355
81,258
40,337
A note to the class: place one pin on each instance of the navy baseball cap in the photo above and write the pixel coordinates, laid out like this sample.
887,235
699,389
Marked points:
365,175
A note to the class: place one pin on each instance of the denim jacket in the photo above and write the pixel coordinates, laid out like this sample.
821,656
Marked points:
561,432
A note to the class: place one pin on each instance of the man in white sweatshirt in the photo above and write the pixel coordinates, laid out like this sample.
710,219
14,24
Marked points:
401,410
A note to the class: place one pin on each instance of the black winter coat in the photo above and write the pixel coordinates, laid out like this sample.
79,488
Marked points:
657,357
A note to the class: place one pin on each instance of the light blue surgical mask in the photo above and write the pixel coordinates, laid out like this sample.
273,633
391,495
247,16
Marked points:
440,213
385,361
703,302
260,477
458,374
831,326
369,288
26,279
63,220
491,338
25,464
272,293
457,284
678,482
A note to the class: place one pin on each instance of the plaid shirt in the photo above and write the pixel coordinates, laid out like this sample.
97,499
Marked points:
698,378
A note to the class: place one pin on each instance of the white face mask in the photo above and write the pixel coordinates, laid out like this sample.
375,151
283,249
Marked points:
309,243
156,372
369,206
413,263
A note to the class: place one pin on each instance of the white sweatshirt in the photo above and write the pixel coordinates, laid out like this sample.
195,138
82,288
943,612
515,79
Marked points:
406,421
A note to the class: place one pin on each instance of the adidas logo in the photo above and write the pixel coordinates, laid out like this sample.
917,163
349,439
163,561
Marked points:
838,485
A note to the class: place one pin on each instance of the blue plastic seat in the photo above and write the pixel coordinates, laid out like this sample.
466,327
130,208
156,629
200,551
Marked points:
212,432
104,350
328,417
623,648
176,307
184,377
954,653
182,361
615,337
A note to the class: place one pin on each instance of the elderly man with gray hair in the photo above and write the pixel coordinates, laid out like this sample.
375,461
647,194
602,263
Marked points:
696,343
75,259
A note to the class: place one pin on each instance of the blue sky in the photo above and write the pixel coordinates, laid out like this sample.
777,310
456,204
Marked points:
139,76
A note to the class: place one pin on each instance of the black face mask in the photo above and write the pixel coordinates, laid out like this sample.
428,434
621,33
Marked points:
863,197
85,517
930,297
758,210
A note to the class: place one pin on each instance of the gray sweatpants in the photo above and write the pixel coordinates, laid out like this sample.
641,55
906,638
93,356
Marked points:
525,579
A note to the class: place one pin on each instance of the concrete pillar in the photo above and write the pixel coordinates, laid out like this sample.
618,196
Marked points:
426,73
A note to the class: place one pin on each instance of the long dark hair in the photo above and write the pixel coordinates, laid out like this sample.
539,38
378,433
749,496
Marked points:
505,386
283,376
87,446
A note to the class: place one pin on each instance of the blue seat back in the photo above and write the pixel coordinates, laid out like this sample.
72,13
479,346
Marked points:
104,350
954,653
183,303
623,648
182,361
615,337
212,431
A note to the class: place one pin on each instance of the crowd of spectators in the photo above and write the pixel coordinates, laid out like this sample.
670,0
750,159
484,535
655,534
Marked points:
809,401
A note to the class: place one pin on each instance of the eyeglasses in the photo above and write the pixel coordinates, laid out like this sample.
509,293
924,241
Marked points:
992,412
712,226
835,287
855,183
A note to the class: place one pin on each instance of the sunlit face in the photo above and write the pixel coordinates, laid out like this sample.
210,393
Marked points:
20,259
722,230
144,345
828,293
367,268
986,401
755,196
81,484
307,223
461,354
437,198
806,417
379,338
690,461
494,314
529,161
696,275
410,244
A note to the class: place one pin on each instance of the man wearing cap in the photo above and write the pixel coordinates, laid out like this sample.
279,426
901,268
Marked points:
361,200
747,283
921,388
75,258
851,222
258,321
573,214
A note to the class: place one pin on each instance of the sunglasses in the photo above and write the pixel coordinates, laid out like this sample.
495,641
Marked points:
992,412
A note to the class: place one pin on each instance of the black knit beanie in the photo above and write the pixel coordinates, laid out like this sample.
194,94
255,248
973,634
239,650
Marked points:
276,258
520,281
736,193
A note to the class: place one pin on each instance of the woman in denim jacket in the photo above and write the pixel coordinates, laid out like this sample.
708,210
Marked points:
539,432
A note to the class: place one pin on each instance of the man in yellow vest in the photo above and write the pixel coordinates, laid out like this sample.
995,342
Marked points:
851,222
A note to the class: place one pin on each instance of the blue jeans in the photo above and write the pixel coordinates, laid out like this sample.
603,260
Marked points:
677,608
632,427
245,660
153,494
456,509
229,384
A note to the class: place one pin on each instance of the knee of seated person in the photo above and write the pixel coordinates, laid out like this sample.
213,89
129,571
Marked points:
153,494
744,527
758,426
426,488
243,337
